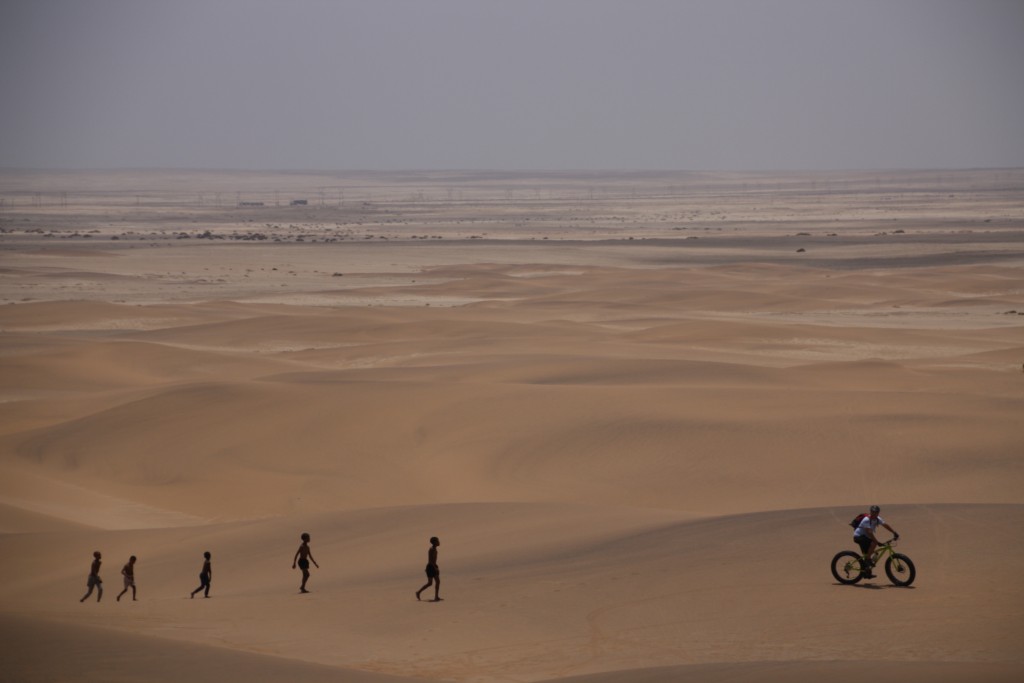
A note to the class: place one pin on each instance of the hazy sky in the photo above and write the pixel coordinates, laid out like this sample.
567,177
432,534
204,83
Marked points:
512,84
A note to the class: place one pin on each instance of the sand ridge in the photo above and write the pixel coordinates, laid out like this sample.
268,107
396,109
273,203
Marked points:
534,590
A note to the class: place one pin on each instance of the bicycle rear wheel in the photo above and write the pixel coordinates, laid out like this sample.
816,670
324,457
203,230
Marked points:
900,569
846,567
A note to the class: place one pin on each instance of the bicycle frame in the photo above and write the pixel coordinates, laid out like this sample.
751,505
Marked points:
882,550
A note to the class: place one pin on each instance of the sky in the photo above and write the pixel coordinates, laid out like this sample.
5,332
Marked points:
512,84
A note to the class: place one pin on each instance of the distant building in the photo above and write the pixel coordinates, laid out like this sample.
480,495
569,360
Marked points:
299,202
250,203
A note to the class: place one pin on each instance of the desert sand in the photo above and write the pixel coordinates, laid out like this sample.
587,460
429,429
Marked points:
638,409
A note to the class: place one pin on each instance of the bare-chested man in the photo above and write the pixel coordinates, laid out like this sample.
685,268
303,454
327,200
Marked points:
94,580
128,572
433,573
205,576
303,556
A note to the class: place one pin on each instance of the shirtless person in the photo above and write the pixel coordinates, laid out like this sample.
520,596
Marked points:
128,572
303,556
433,573
205,576
94,580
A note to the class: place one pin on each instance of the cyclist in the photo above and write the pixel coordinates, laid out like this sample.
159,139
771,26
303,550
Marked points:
864,536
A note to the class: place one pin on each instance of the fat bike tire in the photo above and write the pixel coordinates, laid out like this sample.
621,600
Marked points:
846,567
900,569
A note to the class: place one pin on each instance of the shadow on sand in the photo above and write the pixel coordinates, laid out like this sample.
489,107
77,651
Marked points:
873,586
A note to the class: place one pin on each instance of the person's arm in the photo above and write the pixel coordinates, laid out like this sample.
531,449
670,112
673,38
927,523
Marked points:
893,531
296,558
312,560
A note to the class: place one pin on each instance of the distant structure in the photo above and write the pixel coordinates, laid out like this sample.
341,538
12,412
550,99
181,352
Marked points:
299,202
250,203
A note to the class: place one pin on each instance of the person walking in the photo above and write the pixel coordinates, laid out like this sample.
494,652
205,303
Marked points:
94,581
128,572
433,572
205,576
303,556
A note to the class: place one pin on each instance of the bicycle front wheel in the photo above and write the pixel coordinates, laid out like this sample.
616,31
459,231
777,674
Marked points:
900,569
846,567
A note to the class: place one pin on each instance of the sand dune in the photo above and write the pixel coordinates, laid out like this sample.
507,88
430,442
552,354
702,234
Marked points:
796,672
639,432
648,433
101,656
539,591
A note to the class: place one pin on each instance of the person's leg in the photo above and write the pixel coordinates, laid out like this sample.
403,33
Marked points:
122,593
87,594
305,578
207,582
865,549
437,588
429,583
133,591
869,558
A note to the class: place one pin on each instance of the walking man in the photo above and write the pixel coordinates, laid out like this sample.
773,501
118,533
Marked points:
433,572
205,576
94,580
128,572
303,556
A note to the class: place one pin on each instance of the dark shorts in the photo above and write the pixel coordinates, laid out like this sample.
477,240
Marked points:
864,542
204,579
433,572
303,564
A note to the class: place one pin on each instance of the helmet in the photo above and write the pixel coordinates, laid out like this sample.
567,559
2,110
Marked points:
875,509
